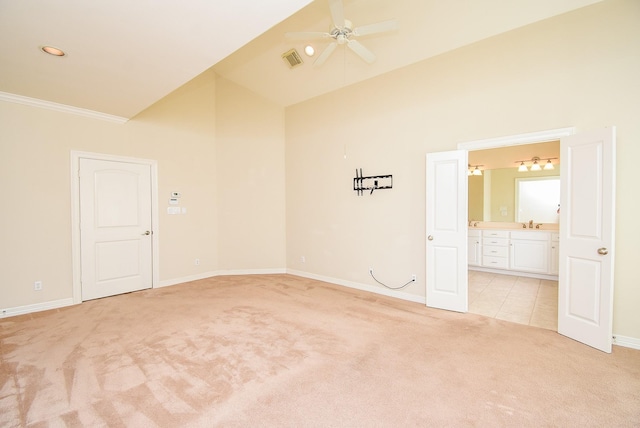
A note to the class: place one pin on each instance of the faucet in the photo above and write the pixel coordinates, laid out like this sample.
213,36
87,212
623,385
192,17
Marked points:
538,225
475,224
524,225
530,224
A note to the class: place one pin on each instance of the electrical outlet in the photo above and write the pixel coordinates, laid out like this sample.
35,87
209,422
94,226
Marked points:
37,286
303,259
197,262
413,277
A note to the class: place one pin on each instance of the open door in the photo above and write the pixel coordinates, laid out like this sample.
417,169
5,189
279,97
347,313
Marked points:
447,230
587,219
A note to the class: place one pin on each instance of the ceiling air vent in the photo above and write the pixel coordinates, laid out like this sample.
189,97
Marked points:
292,58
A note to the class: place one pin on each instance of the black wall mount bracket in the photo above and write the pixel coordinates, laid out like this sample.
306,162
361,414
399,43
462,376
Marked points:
374,182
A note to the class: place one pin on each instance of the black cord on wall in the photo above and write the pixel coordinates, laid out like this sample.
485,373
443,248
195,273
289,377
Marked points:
385,285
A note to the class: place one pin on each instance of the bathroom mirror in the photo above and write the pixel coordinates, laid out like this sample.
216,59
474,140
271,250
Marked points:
504,195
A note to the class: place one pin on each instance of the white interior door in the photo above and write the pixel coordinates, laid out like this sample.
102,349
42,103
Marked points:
447,230
587,213
115,227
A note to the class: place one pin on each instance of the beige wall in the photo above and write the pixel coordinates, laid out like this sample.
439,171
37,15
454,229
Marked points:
35,146
476,197
579,69
250,165
216,143
224,149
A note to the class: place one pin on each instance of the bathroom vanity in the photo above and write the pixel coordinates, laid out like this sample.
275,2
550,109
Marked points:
523,252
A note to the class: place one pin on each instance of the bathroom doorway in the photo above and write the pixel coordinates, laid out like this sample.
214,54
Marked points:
495,198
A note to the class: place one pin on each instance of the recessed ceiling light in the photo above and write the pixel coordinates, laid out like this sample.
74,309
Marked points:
309,50
53,51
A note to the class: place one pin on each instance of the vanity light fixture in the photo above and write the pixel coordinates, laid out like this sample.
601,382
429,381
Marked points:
474,170
548,166
535,165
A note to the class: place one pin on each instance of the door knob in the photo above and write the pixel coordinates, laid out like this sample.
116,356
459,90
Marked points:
603,251
148,232
430,237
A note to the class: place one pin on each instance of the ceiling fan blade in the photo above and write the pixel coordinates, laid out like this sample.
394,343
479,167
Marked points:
361,51
325,54
305,35
337,13
379,27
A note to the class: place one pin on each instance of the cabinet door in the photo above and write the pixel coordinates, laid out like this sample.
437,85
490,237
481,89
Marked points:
529,256
475,251
555,258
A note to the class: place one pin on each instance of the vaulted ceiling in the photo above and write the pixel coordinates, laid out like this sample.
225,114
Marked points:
124,55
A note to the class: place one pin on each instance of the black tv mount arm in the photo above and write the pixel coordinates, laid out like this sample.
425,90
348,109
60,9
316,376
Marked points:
361,183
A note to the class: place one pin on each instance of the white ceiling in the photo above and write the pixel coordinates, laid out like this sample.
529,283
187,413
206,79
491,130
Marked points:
124,55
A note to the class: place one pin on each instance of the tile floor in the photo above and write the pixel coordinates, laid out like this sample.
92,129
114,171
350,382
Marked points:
517,299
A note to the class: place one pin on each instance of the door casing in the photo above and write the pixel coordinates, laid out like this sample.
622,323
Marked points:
75,215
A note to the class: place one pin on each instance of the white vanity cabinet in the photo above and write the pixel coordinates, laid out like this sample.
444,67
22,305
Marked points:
474,247
526,252
495,249
530,252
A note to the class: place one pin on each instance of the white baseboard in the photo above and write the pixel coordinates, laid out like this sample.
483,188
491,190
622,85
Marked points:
359,286
36,307
514,273
273,271
211,274
176,281
627,342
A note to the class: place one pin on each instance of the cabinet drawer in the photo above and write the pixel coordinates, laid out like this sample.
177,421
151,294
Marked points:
531,235
492,250
495,241
495,262
495,233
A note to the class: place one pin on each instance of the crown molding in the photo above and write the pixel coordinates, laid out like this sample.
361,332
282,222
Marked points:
34,102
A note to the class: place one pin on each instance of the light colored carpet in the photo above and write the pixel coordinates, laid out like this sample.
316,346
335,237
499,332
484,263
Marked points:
279,350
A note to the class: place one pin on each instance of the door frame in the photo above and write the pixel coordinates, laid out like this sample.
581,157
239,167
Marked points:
75,215
516,140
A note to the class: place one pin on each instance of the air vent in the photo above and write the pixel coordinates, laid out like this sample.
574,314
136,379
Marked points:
292,58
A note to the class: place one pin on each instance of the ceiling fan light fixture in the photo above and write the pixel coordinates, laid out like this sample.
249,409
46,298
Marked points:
342,32
309,50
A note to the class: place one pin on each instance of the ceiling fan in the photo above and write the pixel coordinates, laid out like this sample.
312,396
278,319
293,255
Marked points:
343,33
